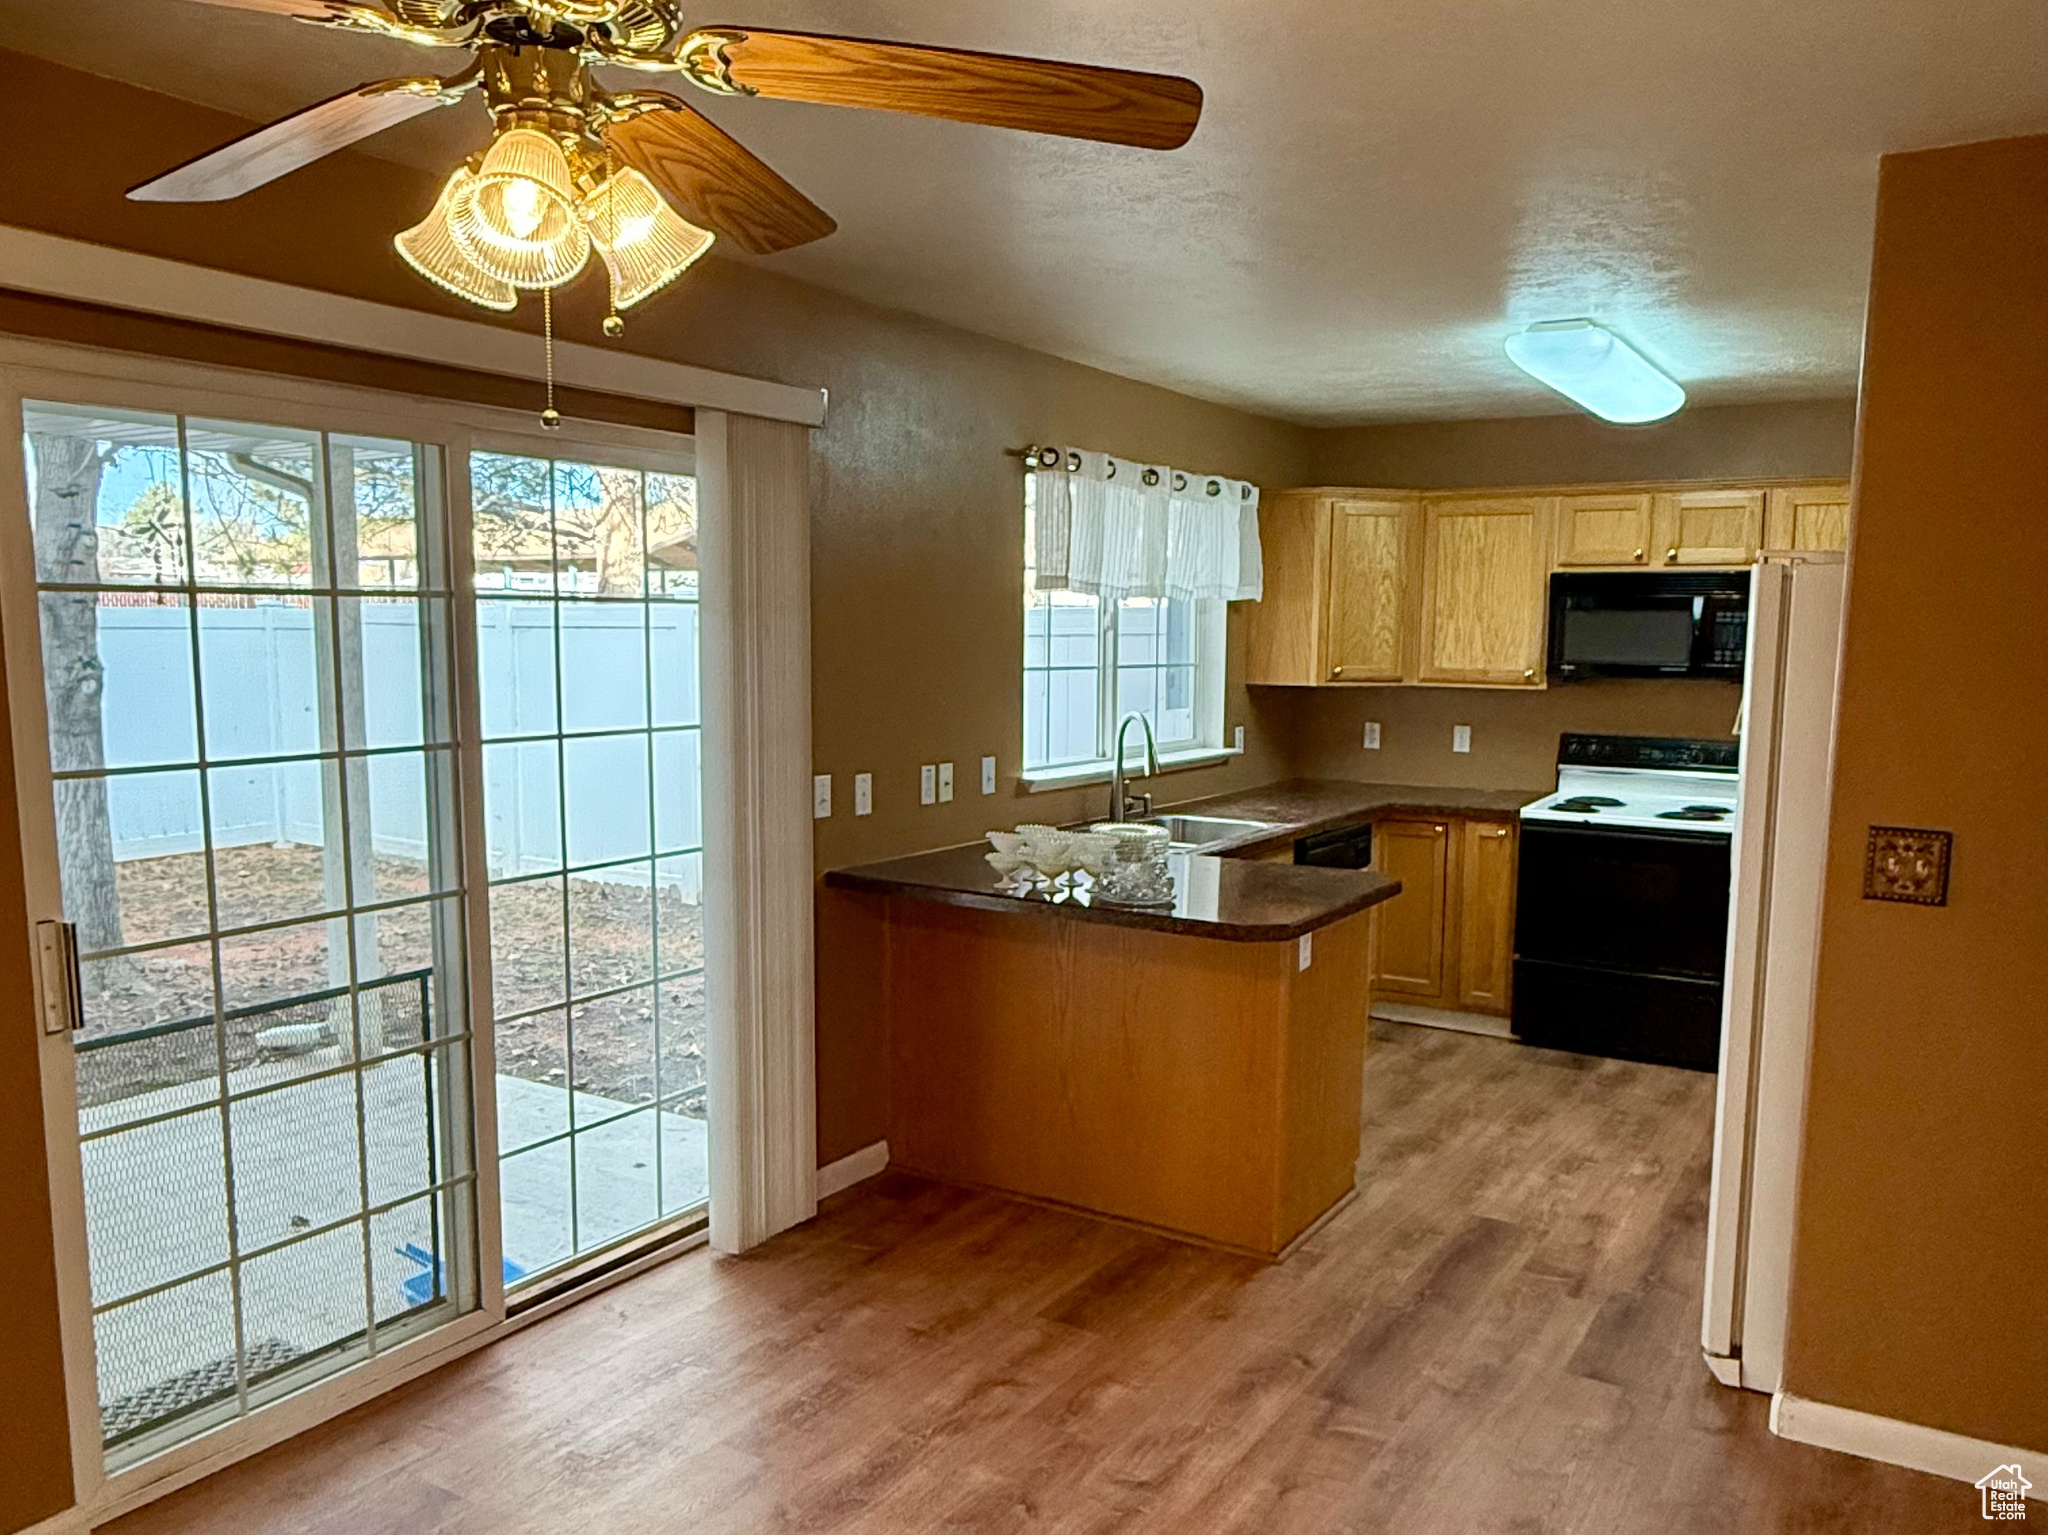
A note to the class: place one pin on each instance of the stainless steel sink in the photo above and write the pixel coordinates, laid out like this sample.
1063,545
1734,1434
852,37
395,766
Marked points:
1193,832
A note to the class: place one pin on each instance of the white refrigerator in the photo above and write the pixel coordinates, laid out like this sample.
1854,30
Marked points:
1788,721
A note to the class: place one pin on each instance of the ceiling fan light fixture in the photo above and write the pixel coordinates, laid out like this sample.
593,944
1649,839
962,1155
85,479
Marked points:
1596,370
645,244
517,217
430,249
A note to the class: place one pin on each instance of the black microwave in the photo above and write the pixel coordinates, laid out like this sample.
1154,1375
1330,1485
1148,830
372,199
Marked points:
1649,624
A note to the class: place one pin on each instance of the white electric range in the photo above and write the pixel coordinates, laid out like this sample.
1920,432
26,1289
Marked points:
1621,918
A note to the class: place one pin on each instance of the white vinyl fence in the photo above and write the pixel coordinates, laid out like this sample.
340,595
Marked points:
261,680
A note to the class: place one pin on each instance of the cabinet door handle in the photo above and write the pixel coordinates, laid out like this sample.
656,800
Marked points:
1336,673
1671,553
1639,555
1440,830
1493,831
1529,675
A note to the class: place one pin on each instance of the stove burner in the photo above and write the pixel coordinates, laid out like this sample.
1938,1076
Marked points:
1586,804
1695,813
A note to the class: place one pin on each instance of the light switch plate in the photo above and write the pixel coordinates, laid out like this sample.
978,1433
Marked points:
863,793
988,775
1372,735
821,797
945,783
927,785
1237,739
1906,863
1305,951
1461,738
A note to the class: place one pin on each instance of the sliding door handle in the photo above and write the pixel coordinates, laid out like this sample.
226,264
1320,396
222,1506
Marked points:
57,969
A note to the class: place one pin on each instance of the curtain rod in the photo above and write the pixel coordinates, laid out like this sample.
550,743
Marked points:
1037,457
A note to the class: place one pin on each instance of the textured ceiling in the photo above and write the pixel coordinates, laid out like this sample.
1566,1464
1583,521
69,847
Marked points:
1378,193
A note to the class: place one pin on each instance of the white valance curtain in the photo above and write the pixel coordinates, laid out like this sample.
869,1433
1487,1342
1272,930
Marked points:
1111,528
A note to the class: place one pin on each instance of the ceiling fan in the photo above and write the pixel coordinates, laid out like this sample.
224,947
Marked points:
640,177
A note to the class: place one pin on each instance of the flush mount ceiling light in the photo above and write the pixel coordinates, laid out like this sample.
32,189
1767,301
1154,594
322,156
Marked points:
1594,368
639,177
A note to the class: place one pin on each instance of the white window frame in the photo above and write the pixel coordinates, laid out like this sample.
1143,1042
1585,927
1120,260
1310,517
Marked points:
1211,681
91,376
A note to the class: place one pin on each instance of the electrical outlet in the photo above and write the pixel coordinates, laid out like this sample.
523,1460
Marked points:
945,783
863,793
988,775
821,797
1305,951
1372,735
1237,739
927,785
1461,738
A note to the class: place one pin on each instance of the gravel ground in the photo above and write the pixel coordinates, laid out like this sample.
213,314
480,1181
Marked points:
612,937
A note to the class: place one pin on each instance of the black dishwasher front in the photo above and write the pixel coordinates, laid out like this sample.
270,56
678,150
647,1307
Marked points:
1347,848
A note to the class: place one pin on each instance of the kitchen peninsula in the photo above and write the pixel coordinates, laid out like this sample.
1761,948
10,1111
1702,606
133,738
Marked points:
1196,1070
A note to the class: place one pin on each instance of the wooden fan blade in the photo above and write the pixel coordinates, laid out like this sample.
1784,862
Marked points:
714,180
1077,101
283,147
303,10
297,9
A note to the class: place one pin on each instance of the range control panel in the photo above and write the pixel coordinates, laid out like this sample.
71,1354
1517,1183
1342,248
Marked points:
1647,752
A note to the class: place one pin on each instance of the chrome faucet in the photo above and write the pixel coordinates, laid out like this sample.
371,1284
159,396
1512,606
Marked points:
1121,801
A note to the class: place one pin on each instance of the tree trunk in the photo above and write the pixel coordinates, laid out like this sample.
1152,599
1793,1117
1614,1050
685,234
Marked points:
67,549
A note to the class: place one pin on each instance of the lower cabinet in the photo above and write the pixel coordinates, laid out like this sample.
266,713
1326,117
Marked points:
1448,939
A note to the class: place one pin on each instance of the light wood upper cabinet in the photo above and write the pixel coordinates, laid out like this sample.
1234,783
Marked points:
1604,530
1340,589
1367,617
1414,924
1710,527
1486,914
1452,588
1484,588
1803,517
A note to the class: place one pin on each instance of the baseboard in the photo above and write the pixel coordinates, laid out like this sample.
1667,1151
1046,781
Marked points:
1911,1445
837,1177
71,1522
1444,1018
1727,1371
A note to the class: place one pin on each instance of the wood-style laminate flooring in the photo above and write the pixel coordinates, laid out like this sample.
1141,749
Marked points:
1499,1334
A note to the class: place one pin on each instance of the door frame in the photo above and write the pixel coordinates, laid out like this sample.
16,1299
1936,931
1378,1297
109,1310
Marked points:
117,380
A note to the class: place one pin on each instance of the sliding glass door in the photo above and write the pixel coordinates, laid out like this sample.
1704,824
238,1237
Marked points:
371,814
245,651
586,577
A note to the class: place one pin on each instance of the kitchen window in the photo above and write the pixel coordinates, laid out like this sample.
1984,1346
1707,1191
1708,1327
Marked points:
1089,661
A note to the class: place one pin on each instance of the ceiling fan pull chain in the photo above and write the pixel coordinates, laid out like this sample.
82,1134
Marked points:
550,419
614,323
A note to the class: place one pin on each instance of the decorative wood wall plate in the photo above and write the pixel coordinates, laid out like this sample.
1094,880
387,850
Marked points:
1907,864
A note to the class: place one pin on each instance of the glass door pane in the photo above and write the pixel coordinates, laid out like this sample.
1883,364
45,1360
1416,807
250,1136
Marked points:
245,653
586,578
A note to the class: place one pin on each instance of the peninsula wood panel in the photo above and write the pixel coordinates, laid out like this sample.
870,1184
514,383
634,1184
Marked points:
1369,590
1807,517
1485,914
1711,527
1203,1088
1483,591
1413,925
1604,529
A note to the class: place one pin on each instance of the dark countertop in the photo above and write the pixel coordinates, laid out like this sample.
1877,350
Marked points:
1302,807
1228,898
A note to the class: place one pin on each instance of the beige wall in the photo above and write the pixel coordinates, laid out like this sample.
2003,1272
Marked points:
1811,438
917,557
1920,1286
1514,734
